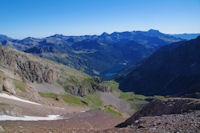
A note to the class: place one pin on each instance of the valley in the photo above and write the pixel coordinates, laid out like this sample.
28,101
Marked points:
119,82
99,66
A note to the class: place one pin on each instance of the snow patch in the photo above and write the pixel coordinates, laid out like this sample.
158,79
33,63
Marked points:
29,118
4,95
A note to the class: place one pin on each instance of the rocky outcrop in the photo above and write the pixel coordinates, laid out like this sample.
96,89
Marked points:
87,87
8,86
26,68
35,72
76,90
163,107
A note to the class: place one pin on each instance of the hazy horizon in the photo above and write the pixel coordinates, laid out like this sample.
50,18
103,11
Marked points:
40,37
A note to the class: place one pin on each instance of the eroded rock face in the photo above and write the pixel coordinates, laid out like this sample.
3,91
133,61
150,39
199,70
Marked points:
33,71
27,69
1,82
8,86
160,107
78,91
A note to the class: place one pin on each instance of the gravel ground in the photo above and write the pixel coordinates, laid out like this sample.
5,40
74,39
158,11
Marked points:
96,122
182,123
78,122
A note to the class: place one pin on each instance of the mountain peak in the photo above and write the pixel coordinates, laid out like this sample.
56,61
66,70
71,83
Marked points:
29,38
154,31
58,35
104,34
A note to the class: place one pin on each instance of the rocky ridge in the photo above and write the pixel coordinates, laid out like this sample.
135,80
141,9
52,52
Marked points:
164,107
36,70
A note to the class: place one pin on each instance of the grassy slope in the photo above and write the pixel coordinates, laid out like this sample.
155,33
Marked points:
67,98
2,104
113,112
94,100
130,97
91,100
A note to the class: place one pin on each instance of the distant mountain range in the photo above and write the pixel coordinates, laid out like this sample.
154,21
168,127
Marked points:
187,36
171,70
95,55
4,37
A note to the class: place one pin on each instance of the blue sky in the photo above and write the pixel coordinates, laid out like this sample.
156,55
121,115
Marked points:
39,18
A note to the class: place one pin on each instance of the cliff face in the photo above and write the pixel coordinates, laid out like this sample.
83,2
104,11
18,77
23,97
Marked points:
163,107
27,69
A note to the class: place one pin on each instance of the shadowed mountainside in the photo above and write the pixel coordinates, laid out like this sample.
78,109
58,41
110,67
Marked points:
172,70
